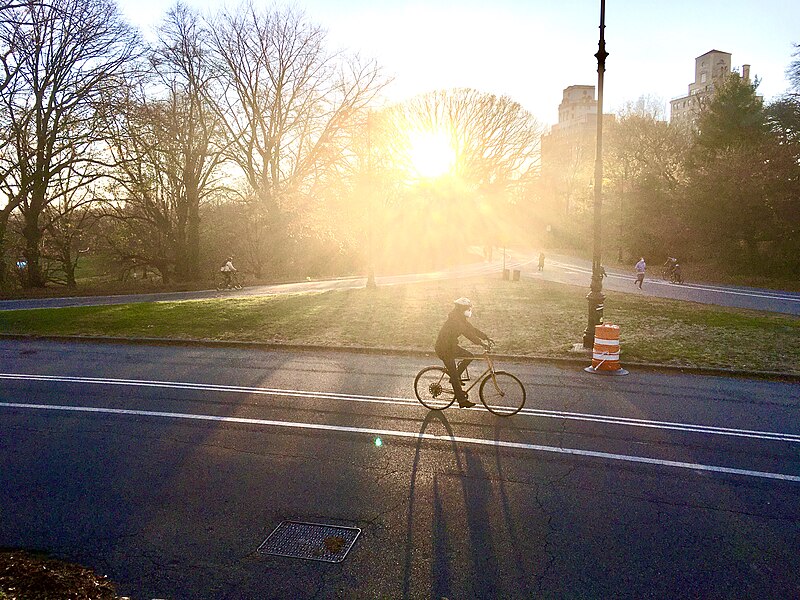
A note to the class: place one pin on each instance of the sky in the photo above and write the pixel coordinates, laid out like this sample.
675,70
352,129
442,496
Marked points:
530,50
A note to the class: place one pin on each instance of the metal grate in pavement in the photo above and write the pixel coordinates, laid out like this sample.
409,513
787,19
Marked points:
310,541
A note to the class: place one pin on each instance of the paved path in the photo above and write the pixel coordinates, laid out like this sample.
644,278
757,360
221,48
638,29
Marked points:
471,270
561,269
572,271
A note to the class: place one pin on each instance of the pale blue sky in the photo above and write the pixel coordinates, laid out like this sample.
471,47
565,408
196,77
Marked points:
532,49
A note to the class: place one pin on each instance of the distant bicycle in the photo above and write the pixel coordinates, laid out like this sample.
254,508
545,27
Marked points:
500,392
222,284
672,274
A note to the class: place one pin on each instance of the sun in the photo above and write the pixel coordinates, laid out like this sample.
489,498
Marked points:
431,154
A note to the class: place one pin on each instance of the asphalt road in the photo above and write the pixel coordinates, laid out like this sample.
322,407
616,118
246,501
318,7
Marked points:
166,468
561,269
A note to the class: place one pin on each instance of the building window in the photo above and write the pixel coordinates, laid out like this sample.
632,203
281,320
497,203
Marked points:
702,78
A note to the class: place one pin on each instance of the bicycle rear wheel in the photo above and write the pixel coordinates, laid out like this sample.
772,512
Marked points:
503,394
433,389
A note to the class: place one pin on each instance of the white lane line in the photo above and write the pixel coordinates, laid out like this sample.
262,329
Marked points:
393,401
719,290
411,435
688,427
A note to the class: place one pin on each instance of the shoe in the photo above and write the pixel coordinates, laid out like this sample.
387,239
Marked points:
465,403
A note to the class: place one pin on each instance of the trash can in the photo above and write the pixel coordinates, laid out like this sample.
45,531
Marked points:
515,275
506,273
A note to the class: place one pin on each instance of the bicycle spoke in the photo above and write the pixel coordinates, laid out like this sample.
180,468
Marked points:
433,389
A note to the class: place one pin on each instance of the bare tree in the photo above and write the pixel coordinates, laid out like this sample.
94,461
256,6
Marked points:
65,221
495,139
284,100
496,144
793,70
645,166
640,141
148,199
168,148
10,24
68,55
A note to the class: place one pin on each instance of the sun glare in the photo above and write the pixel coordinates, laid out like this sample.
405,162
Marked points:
431,154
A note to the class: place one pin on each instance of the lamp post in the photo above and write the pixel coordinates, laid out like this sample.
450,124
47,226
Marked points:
595,297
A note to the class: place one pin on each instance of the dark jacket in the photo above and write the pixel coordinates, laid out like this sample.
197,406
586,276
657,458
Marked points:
456,326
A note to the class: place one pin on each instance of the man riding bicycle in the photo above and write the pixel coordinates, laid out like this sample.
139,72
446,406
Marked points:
448,350
227,271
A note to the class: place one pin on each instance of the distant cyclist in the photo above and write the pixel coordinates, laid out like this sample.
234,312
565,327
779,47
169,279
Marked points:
448,350
227,271
668,267
677,274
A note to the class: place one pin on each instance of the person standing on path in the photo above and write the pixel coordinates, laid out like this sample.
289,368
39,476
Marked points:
541,261
640,268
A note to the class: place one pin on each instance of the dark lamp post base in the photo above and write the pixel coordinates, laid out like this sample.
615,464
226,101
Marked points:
595,299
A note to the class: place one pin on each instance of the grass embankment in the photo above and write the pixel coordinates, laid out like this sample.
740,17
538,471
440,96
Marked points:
528,317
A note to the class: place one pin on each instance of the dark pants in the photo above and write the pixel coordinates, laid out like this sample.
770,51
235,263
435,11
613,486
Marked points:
454,371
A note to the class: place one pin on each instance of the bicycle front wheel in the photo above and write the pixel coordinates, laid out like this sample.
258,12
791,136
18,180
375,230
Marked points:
503,394
433,389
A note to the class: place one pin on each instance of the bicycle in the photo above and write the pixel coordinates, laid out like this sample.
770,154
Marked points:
222,284
500,392
671,274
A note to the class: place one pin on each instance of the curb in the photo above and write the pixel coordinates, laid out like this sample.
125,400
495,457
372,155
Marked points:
520,358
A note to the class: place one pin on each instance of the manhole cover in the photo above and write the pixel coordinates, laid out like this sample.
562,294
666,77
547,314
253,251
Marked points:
312,541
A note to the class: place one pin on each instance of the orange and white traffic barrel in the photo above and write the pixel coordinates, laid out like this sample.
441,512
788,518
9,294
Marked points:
605,354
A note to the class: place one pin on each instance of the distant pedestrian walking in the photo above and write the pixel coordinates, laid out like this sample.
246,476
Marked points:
541,261
640,268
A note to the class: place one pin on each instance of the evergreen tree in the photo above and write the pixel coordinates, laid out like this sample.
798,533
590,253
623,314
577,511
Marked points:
740,195
734,118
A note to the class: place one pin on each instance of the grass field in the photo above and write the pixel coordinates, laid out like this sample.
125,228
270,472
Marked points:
527,317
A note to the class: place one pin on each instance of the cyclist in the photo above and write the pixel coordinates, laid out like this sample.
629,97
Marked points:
228,270
448,350
677,274
669,267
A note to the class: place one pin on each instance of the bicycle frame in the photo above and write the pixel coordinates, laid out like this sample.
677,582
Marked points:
489,370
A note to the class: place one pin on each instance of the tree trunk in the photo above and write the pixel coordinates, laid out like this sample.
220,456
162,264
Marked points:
5,274
193,241
33,242
69,268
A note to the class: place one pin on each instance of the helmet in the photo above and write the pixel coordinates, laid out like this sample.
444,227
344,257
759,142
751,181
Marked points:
465,302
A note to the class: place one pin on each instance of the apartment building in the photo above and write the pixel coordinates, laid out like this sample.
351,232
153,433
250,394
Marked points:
568,150
710,69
